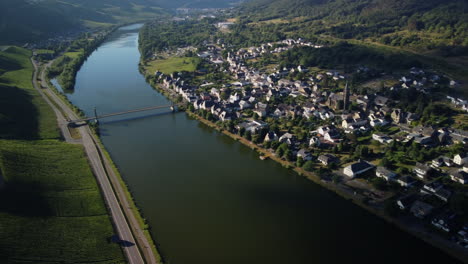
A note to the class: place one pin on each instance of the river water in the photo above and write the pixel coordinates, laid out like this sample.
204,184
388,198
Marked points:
211,200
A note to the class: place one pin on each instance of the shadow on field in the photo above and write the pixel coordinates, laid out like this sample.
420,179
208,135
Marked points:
24,199
8,64
18,115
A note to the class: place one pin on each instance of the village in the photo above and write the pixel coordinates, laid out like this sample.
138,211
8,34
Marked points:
359,142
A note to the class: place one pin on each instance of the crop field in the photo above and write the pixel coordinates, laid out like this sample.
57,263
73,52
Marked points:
52,210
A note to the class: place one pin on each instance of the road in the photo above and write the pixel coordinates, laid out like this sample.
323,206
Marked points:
124,220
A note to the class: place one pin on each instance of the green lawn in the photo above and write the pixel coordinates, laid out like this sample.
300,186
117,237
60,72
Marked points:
44,51
52,210
73,54
173,64
23,112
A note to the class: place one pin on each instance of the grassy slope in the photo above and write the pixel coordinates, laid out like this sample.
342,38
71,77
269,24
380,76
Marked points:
27,116
172,64
51,209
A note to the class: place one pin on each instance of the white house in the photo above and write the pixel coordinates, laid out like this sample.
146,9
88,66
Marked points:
406,181
384,139
460,159
385,173
357,168
459,176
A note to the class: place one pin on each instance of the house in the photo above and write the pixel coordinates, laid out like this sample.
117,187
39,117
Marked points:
460,176
287,138
406,181
327,159
332,136
443,194
304,154
270,136
226,116
261,109
422,171
350,122
441,161
460,159
385,173
357,168
443,221
437,189
406,201
380,100
421,209
326,129
243,104
314,142
384,139
252,126
432,187
397,116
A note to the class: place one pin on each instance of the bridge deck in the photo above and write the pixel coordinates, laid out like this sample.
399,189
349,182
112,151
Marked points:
122,113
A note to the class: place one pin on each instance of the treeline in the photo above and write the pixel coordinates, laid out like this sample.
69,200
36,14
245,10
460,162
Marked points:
159,36
66,67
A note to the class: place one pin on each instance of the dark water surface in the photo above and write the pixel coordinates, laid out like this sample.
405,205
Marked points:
209,199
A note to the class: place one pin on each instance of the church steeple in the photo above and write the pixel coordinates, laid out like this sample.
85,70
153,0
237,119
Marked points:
346,97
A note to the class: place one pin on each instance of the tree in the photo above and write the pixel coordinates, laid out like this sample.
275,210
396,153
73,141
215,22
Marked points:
379,183
385,162
280,152
242,131
209,116
299,162
248,135
308,166
336,178
288,155
364,151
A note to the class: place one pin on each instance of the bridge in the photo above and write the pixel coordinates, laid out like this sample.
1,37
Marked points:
96,117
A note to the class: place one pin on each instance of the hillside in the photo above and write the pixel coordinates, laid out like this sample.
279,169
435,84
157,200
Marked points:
22,21
427,24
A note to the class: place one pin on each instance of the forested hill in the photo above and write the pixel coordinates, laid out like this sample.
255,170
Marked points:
393,22
23,21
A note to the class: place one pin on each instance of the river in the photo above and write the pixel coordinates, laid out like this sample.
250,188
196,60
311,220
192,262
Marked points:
211,200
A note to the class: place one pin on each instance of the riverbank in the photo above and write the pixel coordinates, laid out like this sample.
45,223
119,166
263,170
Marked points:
67,65
339,189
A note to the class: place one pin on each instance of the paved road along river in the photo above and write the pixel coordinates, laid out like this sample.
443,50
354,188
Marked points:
209,199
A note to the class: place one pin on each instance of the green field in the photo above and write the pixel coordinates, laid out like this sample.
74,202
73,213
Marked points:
44,51
73,54
23,112
52,210
173,64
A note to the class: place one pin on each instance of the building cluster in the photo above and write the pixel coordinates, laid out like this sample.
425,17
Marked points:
253,96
